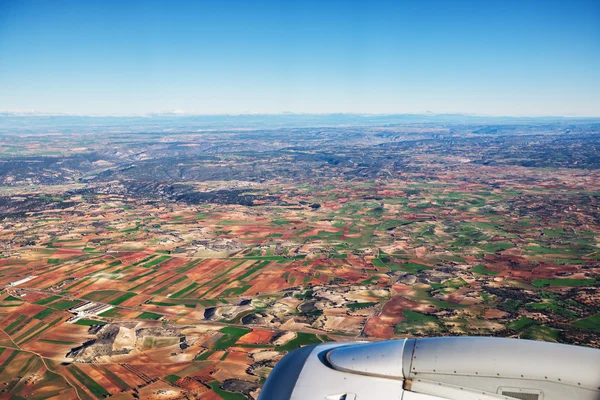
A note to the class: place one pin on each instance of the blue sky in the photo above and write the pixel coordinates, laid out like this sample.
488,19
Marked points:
211,57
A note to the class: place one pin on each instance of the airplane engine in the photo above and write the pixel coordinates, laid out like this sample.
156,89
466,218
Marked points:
457,368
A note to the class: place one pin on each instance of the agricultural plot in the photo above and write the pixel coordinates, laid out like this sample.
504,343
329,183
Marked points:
130,285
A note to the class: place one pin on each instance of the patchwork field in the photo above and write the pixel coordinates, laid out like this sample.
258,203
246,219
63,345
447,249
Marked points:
119,283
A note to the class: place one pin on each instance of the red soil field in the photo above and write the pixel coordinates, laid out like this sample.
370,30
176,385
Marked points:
351,275
383,325
549,271
207,270
268,282
130,258
492,313
174,263
256,336
70,252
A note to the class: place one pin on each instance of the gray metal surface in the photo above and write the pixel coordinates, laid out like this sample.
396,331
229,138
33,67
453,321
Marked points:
383,359
282,380
508,358
455,368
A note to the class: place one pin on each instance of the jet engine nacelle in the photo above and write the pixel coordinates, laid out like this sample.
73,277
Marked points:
457,368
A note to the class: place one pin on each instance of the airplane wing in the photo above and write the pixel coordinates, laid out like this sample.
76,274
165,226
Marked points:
456,368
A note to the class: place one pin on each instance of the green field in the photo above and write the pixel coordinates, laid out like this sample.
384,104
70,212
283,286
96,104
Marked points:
156,261
44,313
172,378
9,359
536,332
231,335
64,304
20,319
204,355
301,339
520,323
149,315
89,322
540,283
225,395
101,295
61,342
47,300
121,299
186,289
590,324
417,323
357,306
412,267
481,270
113,312
88,382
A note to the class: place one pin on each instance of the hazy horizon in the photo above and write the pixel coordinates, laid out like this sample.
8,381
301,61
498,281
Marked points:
183,114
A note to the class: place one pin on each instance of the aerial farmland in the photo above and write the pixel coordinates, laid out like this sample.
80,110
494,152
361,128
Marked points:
187,264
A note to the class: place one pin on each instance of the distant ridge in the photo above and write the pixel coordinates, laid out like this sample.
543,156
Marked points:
29,121
184,114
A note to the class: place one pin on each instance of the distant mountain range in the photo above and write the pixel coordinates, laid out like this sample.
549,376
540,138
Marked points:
30,121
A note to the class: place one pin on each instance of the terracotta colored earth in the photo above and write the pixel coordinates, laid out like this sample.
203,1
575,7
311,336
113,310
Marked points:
383,325
256,336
